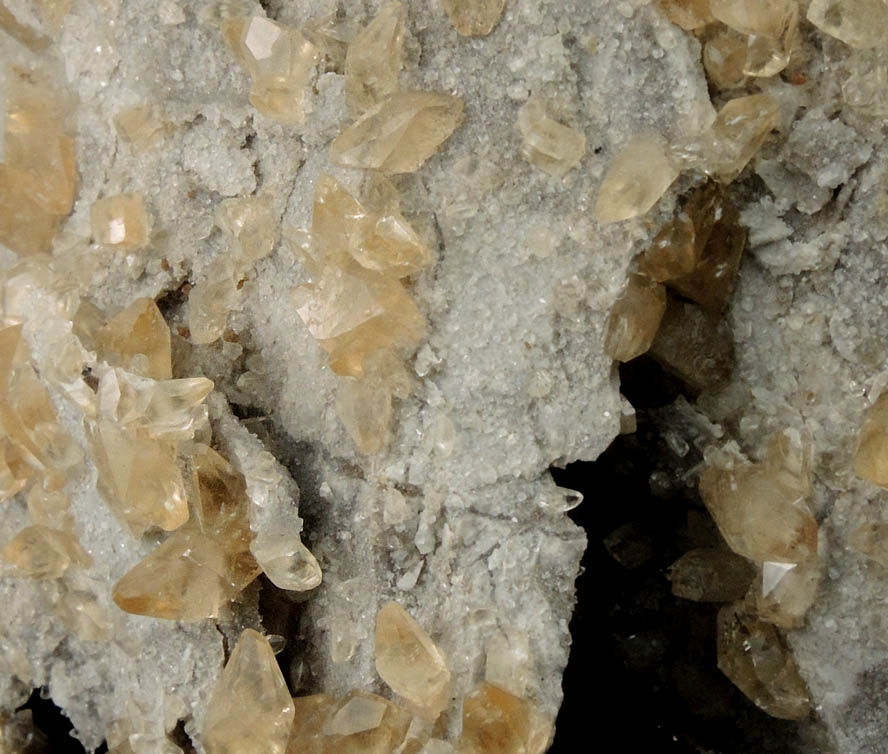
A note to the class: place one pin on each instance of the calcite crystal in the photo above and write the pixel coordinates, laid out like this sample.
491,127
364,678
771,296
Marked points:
120,221
44,553
251,711
871,539
634,319
310,718
756,659
497,722
374,59
784,592
637,178
400,133
724,59
138,338
474,18
364,723
688,14
409,662
549,145
141,126
770,27
711,574
858,23
871,457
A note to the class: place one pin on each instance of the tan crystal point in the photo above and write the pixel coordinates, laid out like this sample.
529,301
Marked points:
400,133
637,178
760,516
120,221
251,223
279,60
688,14
770,26
331,35
49,507
474,18
871,539
138,476
409,662
374,57
497,722
724,60
784,592
366,412
871,457
250,711
307,734
288,563
754,656
44,553
210,302
546,143
83,616
634,319
857,23
711,574
136,332
140,126
365,724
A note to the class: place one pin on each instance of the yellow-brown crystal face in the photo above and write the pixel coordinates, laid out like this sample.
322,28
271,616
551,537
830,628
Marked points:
857,23
474,18
120,221
374,59
871,458
549,145
497,722
634,319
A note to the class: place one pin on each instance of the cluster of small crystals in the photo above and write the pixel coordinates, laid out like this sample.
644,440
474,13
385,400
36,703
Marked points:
251,712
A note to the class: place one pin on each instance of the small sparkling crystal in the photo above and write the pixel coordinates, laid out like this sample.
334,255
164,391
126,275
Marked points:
374,59
410,662
120,221
497,722
474,18
250,711
711,574
857,23
251,224
44,553
638,177
784,592
634,319
400,133
549,145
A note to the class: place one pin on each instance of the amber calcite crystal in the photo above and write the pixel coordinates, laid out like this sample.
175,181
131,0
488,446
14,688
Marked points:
688,14
474,18
120,221
724,59
140,126
871,457
82,614
288,563
756,659
400,133
634,319
250,224
871,539
138,335
770,27
784,592
497,722
549,145
857,23
307,734
250,711
410,662
374,59
44,553
637,178
365,723
711,574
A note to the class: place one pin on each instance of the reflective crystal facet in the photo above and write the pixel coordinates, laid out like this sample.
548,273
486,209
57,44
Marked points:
373,61
365,724
44,553
770,27
497,722
549,145
119,221
634,319
137,333
783,592
857,23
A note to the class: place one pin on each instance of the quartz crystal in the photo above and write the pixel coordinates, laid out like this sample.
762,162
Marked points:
636,180
871,539
754,656
307,734
761,511
871,457
770,26
365,724
410,662
783,592
634,319
474,18
688,14
250,711
44,553
374,59
279,61
724,60
138,335
549,145
119,221
857,23
711,574
400,133
497,722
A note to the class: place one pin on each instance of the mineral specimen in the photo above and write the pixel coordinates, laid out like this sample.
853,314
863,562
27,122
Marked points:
857,23
634,319
871,539
711,574
474,18
688,14
120,221
497,722
871,458
548,144
374,57
770,28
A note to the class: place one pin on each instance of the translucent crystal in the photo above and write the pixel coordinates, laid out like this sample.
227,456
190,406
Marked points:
250,711
508,662
634,319
288,563
871,539
784,592
770,26
400,133
210,301
866,88
365,410
711,574
857,23
138,330
760,514
474,18
119,221
365,724
44,553
83,616
307,734
251,223
638,177
754,656
331,35
25,227
688,14
140,126
49,507
548,144
409,662
871,457
497,722
374,59
724,59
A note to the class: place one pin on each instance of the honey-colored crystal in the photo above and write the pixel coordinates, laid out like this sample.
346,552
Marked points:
211,300
688,14
410,662
49,507
549,145
288,563
365,410
497,722
711,574
871,539
474,18
724,60
120,221
365,724
137,333
756,659
634,319
140,126
770,27
311,714
374,59
250,223
44,553
331,35
637,178
857,23
84,617
250,711
871,457
784,592
400,133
